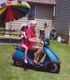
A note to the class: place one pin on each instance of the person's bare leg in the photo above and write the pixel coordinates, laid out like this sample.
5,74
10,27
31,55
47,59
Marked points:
37,53
26,50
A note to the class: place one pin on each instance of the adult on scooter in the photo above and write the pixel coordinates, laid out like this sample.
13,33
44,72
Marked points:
32,41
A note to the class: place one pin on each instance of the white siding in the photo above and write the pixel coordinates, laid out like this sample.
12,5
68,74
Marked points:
16,24
43,12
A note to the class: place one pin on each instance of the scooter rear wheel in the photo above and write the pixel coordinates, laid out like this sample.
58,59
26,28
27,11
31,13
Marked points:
18,63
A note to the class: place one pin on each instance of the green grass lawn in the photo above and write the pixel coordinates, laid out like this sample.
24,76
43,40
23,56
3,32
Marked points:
10,72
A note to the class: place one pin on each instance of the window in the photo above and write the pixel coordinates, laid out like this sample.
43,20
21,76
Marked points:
31,14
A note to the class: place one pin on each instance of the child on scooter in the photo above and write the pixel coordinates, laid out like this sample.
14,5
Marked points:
23,38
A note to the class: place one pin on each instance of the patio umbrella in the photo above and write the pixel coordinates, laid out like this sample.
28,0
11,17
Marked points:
12,10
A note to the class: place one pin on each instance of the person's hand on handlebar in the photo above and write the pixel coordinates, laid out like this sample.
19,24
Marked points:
37,40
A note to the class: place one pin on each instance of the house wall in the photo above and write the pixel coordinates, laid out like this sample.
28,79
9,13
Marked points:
62,19
69,34
43,13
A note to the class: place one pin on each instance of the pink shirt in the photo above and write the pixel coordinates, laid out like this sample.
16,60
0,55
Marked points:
30,33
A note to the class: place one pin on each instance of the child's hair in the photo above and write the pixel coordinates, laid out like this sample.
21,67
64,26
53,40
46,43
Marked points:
24,28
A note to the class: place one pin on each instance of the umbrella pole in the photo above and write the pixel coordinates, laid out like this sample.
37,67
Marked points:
10,32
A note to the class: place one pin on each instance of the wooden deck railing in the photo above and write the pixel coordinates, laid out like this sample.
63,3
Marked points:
10,34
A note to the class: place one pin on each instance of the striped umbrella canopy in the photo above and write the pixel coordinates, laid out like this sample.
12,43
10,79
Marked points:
12,10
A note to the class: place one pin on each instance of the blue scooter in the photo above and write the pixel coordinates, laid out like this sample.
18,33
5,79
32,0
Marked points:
49,61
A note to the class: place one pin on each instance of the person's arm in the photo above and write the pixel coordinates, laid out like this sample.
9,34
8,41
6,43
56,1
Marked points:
37,40
23,33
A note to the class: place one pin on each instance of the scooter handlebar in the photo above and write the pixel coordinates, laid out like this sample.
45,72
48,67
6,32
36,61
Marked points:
45,42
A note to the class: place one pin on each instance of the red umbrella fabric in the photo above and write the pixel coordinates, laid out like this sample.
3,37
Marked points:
10,16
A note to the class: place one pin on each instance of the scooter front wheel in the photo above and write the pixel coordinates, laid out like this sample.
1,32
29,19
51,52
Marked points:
54,67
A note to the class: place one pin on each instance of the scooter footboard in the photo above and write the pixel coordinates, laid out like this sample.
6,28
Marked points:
52,56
